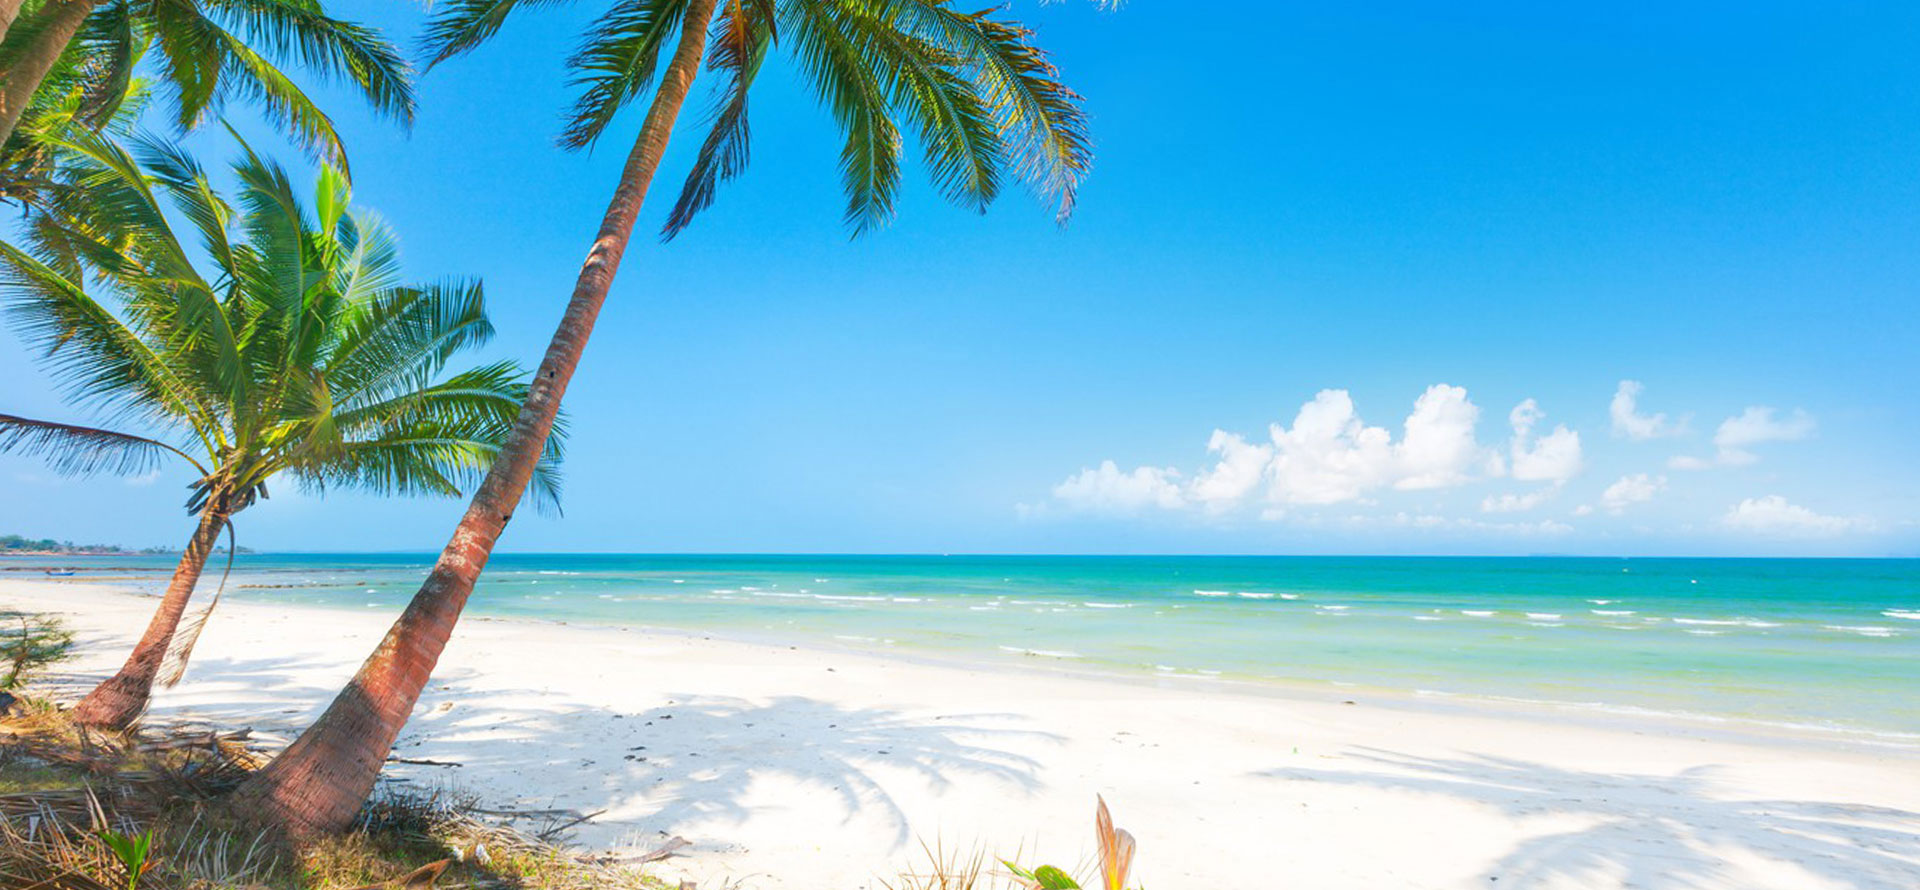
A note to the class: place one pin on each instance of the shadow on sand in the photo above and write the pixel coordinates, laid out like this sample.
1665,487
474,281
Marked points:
1649,831
693,759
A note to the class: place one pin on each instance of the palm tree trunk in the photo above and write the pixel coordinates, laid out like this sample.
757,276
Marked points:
320,781
119,701
9,10
55,26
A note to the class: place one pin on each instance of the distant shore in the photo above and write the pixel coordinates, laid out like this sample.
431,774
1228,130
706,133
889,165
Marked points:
792,766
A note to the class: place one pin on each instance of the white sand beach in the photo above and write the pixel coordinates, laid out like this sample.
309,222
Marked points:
798,767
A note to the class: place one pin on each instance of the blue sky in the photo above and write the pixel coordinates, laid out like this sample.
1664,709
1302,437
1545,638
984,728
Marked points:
1353,207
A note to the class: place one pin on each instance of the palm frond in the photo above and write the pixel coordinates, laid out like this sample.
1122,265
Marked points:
328,47
75,450
1038,113
842,73
461,25
616,62
743,33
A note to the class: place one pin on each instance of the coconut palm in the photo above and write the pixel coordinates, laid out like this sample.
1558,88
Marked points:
986,106
299,353
208,51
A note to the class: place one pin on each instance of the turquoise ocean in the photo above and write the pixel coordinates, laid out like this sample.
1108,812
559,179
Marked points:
1820,644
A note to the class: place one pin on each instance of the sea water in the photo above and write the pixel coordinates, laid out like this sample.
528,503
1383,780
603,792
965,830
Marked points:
1817,644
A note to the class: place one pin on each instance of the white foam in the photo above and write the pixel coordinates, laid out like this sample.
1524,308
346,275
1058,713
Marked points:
1904,614
1428,618
1213,593
1332,608
1863,630
1256,596
1548,623
1093,605
1603,602
1477,613
1289,596
1611,611
1544,616
1706,633
1044,653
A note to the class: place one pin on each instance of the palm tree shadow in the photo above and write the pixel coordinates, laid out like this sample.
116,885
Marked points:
1650,831
697,759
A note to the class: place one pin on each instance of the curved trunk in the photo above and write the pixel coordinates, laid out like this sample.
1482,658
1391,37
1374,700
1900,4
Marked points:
320,781
119,701
55,25
9,10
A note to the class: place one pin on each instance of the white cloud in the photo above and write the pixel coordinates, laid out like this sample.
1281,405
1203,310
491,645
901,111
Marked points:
1753,426
1106,489
1554,457
1758,424
1635,489
1688,462
1583,510
1438,448
1773,515
1541,528
144,479
1329,455
1629,422
1516,503
1241,468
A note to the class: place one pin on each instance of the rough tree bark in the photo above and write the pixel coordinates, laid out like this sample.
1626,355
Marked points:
57,22
118,702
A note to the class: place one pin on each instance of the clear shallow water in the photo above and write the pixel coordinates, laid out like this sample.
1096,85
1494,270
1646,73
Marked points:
1818,643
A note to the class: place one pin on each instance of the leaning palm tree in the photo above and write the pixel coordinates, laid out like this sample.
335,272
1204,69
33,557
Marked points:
987,105
298,353
208,51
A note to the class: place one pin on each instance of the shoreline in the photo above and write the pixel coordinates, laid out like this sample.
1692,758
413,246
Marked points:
801,766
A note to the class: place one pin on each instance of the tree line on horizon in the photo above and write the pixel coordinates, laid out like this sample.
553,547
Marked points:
264,333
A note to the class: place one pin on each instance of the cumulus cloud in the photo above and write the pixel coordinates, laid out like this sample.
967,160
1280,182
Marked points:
1629,422
1554,457
1737,434
1773,515
1106,489
1328,454
1438,448
1629,490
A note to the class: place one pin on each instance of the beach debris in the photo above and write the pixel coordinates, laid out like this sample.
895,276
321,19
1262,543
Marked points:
424,876
669,848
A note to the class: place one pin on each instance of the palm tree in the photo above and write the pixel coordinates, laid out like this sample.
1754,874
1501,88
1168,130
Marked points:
302,353
208,52
986,104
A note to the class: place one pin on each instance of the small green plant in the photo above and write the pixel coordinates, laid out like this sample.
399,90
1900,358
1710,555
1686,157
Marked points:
38,641
133,852
1116,860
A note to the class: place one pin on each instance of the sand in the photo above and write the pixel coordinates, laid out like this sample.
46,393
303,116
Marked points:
800,767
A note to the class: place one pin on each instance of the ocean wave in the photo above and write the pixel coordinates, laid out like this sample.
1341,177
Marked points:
1428,618
1255,596
1863,630
1603,602
1477,613
1213,593
1043,653
1905,614
1097,605
1544,616
1611,612
1548,623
